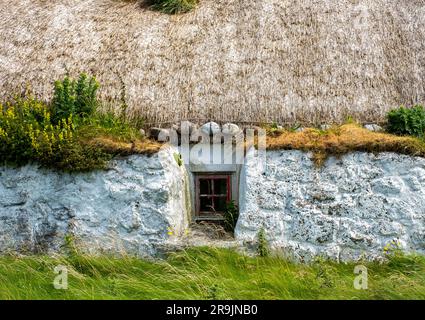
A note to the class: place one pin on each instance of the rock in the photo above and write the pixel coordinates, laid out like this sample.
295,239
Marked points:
325,127
373,127
309,212
186,127
142,132
254,129
162,134
128,209
154,132
230,129
211,128
300,129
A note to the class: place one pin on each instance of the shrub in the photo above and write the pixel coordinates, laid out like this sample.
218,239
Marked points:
173,6
263,246
231,215
74,97
407,121
27,133
69,134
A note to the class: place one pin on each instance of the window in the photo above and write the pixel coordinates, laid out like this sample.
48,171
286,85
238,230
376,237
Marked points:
213,192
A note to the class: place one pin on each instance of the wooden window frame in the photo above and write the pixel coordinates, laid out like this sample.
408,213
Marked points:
213,176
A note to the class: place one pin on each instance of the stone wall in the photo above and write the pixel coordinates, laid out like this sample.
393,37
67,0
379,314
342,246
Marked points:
350,207
135,206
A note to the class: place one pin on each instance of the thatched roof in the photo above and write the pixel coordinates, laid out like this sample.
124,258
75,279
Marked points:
256,60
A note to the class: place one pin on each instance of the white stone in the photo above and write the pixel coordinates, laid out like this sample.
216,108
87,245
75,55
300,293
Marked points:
210,128
325,126
348,209
373,127
135,206
231,129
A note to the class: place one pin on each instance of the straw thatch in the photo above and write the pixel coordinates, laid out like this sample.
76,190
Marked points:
256,60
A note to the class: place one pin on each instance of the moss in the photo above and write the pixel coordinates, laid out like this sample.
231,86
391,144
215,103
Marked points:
339,140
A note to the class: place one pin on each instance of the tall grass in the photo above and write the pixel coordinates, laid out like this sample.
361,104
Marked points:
205,273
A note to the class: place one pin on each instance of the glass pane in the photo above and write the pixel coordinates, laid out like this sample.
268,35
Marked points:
220,186
206,204
220,204
205,186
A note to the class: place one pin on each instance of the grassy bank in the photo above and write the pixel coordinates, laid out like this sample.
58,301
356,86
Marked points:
206,273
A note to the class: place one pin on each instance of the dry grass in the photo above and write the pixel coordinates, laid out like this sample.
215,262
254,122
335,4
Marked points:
343,139
266,60
114,146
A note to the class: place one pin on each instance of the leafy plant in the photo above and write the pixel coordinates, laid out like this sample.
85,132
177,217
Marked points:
178,158
231,215
173,6
263,249
407,121
74,97
59,135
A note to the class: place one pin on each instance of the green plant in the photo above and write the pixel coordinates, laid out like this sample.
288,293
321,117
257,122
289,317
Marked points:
407,121
69,134
74,97
263,249
178,158
231,215
27,133
173,6
204,273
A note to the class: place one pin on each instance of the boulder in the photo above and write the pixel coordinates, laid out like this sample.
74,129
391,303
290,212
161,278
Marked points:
211,128
373,127
159,134
325,126
230,129
186,127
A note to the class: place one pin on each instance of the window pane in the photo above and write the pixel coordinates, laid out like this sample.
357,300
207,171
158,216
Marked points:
206,204
205,186
220,204
220,186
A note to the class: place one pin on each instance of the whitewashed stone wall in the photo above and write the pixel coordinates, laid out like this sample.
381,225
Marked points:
134,207
349,208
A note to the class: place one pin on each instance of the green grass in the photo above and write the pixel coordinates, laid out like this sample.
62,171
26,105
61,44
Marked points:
173,6
205,273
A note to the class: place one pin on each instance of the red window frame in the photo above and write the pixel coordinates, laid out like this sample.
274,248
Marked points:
198,194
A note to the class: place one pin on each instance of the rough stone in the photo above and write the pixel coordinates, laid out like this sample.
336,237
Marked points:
134,207
346,210
230,129
373,127
210,128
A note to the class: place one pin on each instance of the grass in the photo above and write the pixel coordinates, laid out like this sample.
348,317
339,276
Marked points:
173,6
114,136
206,273
339,140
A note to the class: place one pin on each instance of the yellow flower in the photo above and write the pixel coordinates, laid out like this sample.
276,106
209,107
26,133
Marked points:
3,134
10,113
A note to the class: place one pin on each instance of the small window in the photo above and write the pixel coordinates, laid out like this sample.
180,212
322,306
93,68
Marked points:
213,192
